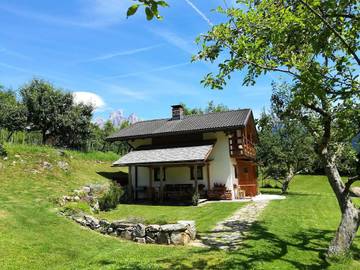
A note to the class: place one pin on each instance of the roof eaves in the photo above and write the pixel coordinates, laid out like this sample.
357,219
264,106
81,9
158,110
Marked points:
151,135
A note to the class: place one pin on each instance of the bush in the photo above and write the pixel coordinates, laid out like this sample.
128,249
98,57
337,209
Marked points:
195,199
112,198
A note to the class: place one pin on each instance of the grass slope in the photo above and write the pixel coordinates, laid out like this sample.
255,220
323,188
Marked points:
205,216
291,234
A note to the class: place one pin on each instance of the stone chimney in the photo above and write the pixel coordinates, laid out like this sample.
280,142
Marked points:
177,112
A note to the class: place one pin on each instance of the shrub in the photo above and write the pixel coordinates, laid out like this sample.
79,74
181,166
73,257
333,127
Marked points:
112,198
195,199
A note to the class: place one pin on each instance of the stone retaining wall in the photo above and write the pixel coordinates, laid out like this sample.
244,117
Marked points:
181,233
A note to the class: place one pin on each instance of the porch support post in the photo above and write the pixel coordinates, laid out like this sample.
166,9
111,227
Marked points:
136,183
208,175
130,187
161,183
151,174
196,179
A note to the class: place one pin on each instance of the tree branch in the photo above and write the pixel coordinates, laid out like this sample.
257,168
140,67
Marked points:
342,39
350,181
271,68
315,108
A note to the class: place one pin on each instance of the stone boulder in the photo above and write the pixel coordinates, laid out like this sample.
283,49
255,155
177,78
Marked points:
140,240
86,189
180,238
79,218
92,222
152,231
139,230
190,227
150,240
123,225
63,165
163,238
47,165
178,227
153,228
126,234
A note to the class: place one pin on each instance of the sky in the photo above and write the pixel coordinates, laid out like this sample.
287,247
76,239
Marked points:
90,48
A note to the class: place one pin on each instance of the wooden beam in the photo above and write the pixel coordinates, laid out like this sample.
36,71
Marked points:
151,175
208,175
130,187
136,182
161,184
196,179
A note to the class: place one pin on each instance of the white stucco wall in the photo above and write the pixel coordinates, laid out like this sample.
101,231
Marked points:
221,166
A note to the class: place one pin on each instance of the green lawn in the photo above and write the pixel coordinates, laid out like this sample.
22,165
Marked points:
291,234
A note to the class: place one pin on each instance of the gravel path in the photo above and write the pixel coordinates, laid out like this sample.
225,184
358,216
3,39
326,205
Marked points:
229,234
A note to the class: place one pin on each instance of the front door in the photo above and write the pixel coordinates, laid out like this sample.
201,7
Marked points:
247,177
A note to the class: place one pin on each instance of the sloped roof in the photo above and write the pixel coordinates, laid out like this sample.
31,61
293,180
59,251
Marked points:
189,124
197,153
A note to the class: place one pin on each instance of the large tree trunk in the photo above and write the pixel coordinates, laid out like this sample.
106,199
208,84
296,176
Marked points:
285,184
350,216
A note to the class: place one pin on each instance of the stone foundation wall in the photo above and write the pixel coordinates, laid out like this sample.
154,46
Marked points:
181,233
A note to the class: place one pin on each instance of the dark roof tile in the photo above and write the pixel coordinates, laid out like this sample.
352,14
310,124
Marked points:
189,124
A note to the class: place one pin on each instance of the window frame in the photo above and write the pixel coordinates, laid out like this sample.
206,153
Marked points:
200,169
156,171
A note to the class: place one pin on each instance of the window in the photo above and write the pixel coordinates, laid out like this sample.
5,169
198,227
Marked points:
157,174
199,173
235,170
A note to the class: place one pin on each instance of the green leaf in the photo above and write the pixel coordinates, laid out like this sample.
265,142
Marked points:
132,10
149,14
162,3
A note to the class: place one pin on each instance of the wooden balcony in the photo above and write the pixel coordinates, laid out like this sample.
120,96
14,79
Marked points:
241,147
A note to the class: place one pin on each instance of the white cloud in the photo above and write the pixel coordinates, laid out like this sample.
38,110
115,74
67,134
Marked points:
14,54
105,12
198,11
131,74
91,14
175,40
89,98
123,53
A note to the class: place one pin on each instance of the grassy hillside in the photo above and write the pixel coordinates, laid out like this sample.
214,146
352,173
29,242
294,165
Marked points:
292,234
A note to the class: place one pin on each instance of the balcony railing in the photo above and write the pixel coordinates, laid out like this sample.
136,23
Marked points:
241,147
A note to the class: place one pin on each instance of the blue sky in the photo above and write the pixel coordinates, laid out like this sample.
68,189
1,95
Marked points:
131,64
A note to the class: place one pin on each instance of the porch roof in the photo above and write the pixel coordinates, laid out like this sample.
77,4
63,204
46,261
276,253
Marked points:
174,155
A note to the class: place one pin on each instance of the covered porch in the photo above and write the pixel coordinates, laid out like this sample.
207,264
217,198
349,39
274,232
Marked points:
171,174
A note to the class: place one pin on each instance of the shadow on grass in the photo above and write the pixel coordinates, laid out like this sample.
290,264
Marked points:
114,175
289,193
262,248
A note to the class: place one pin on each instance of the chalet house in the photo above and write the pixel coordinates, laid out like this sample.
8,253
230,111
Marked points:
213,154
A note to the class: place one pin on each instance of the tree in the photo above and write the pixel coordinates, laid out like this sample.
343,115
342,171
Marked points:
12,113
285,148
74,127
46,106
210,108
54,113
314,44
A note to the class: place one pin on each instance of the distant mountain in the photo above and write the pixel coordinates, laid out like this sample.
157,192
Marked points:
117,118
